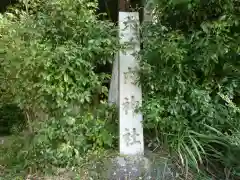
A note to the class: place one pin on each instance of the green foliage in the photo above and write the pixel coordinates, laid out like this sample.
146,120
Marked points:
55,53
64,142
49,51
190,72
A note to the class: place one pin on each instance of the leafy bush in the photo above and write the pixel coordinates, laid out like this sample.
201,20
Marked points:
190,72
48,60
64,142
55,54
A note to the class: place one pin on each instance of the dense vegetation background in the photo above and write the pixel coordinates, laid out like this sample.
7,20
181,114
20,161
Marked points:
52,54
190,72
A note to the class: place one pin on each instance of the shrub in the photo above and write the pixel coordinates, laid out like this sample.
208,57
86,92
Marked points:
64,141
48,61
49,58
189,68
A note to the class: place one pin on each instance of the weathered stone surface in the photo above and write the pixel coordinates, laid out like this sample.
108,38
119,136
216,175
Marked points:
130,93
127,167
136,168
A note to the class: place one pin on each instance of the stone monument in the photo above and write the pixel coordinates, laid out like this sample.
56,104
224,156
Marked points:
126,93
130,94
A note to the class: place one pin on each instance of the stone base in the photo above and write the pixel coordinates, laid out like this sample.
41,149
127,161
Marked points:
136,168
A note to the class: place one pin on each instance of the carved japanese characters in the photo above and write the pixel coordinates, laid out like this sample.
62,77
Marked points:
130,104
131,136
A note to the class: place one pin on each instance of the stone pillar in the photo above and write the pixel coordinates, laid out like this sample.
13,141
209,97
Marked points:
130,94
127,95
